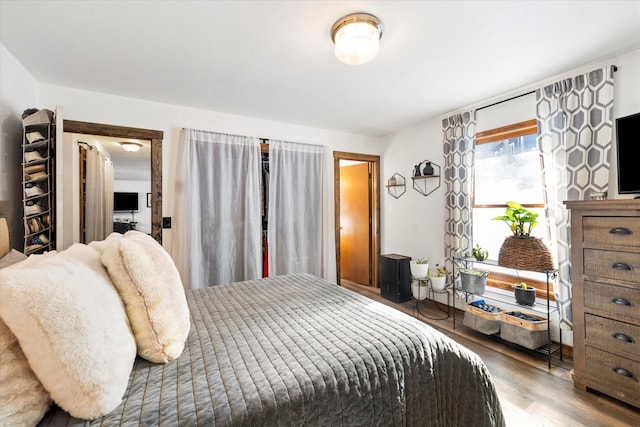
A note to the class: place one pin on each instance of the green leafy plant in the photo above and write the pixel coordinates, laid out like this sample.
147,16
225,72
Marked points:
519,219
479,254
439,271
422,261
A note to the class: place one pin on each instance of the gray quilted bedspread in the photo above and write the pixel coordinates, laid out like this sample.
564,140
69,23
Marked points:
296,350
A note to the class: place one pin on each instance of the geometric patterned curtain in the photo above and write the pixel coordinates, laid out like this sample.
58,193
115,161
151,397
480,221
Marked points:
459,135
575,132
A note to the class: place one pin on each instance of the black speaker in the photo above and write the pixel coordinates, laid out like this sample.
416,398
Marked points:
395,277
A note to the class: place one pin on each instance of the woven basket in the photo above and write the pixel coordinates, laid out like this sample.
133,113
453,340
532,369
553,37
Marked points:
525,253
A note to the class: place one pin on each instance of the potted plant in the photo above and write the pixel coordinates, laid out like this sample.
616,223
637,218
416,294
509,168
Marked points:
419,268
438,277
525,295
521,250
479,254
419,289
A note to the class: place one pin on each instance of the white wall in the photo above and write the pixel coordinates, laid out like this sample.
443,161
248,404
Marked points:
19,90
116,110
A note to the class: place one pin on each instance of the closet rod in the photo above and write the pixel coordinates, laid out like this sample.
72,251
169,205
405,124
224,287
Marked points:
615,68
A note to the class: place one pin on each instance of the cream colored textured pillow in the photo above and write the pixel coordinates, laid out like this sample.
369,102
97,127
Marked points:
72,327
101,245
23,400
150,286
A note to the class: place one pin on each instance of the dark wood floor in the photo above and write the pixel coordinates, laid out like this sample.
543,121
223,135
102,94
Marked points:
531,394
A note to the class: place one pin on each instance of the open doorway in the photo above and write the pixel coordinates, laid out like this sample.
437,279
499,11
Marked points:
357,213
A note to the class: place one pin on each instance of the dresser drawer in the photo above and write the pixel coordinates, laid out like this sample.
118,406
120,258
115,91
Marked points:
613,375
624,231
610,335
612,299
612,265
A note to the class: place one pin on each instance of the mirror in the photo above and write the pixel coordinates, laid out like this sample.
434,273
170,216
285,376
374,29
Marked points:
110,136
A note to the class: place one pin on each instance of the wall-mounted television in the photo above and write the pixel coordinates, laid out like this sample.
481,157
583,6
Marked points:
628,146
125,202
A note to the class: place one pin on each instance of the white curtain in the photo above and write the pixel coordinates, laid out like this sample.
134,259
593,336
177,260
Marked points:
217,229
295,208
99,196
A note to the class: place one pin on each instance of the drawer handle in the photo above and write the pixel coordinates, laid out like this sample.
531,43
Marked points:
620,230
621,301
622,337
623,372
621,266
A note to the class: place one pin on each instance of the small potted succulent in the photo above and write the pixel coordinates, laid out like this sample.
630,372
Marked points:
419,268
438,278
479,254
525,295
420,289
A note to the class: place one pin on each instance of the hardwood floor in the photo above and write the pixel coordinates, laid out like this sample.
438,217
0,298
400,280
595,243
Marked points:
531,394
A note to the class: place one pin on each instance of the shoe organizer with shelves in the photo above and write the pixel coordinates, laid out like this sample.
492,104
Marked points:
38,180
534,332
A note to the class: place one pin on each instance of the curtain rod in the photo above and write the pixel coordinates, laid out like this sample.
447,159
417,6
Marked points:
506,100
615,68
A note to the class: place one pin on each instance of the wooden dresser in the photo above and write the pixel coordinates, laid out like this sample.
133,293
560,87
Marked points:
605,258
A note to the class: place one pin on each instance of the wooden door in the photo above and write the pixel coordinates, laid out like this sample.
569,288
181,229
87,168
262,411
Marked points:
355,229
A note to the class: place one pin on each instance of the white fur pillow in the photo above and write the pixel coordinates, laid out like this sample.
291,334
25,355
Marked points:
72,327
23,400
150,286
101,245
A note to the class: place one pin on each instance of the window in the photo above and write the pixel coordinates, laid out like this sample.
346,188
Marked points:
507,167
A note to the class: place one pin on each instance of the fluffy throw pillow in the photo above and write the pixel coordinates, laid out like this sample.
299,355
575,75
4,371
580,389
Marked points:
23,400
101,245
150,286
72,327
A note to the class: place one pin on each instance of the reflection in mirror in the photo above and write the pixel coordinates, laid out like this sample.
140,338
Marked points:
68,210
115,186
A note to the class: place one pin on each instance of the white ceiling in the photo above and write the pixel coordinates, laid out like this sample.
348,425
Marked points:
274,59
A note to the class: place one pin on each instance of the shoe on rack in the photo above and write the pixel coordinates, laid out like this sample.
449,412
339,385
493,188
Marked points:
32,156
31,190
32,208
35,136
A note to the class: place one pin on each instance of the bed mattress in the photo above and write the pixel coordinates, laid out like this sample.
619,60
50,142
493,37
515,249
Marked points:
297,350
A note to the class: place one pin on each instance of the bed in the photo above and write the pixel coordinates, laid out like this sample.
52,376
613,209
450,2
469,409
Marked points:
297,350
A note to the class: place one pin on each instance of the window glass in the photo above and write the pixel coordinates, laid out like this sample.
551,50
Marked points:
508,170
504,170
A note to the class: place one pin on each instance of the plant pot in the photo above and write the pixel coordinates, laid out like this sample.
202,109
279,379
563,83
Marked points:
525,296
473,281
419,292
419,271
525,253
438,283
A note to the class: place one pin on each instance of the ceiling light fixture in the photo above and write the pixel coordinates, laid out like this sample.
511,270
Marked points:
357,38
131,146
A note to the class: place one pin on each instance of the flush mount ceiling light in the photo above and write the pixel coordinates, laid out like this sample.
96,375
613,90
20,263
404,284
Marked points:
131,146
357,38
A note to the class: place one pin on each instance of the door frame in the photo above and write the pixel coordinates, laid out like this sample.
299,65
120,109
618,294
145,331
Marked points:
155,136
374,213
